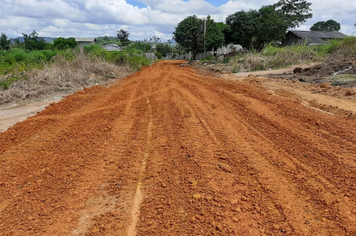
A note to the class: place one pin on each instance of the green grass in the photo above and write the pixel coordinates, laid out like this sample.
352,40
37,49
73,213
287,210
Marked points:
118,58
15,62
280,57
346,77
20,60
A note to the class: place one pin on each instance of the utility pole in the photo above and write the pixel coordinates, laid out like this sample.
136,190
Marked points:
204,37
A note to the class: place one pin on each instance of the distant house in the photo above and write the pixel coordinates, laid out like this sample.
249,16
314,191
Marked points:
310,37
85,41
112,47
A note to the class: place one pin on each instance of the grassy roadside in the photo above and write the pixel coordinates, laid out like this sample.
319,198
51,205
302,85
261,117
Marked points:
33,74
272,57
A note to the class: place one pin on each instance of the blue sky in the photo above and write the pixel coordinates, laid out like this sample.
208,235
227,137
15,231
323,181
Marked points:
215,3
142,18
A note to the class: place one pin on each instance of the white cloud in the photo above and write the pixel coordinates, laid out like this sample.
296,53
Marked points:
103,17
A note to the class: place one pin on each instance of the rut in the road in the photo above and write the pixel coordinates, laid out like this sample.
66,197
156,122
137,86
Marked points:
138,194
168,152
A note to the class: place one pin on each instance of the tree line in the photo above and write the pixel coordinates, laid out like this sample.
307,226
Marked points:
251,29
33,42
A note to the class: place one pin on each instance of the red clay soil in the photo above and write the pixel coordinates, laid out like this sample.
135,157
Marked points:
168,152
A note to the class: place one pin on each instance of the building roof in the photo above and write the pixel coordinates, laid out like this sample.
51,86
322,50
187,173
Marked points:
317,36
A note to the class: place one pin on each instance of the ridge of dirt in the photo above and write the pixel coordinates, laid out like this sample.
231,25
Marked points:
208,157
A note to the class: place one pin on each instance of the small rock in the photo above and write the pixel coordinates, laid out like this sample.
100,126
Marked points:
197,196
325,85
225,167
243,198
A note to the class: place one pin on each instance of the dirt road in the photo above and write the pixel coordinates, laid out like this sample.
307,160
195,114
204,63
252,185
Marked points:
168,152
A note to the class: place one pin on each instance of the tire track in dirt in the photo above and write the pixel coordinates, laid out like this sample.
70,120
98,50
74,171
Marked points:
139,195
343,210
168,152
137,200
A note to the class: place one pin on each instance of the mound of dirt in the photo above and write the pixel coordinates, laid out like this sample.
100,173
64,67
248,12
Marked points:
344,66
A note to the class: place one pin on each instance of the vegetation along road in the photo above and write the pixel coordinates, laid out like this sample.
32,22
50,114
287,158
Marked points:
166,151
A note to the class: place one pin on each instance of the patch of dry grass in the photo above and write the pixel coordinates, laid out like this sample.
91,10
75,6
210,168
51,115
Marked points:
62,76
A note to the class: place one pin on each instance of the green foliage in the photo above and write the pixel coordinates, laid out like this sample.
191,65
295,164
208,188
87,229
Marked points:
4,85
4,42
254,29
139,47
68,55
119,58
330,47
280,57
18,59
214,34
163,49
327,26
62,43
226,60
158,55
33,42
294,12
15,62
123,36
189,33
208,58
108,40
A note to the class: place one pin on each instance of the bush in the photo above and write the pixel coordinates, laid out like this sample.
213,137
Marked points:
62,43
68,55
158,55
18,55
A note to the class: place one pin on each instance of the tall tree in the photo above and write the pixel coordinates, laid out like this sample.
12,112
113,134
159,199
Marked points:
327,26
34,42
123,36
189,34
164,49
270,27
294,12
4,42
214,34
254,29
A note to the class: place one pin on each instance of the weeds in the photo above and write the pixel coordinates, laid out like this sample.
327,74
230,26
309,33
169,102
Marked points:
272,57
60,76
32,74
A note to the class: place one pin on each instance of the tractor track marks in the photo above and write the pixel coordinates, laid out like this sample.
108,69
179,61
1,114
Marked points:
168,152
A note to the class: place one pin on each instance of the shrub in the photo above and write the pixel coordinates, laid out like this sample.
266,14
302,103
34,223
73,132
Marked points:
158,55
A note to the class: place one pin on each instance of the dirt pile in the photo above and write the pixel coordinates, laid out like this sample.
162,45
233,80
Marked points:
344,66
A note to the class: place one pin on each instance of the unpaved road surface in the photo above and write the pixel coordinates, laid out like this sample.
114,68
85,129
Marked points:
168,152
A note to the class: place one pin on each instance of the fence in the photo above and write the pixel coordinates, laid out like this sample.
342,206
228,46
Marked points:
220,51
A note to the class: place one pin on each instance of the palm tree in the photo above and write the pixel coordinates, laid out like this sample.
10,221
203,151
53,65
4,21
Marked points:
4,42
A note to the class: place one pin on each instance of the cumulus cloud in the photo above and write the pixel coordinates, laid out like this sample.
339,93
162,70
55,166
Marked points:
67,18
